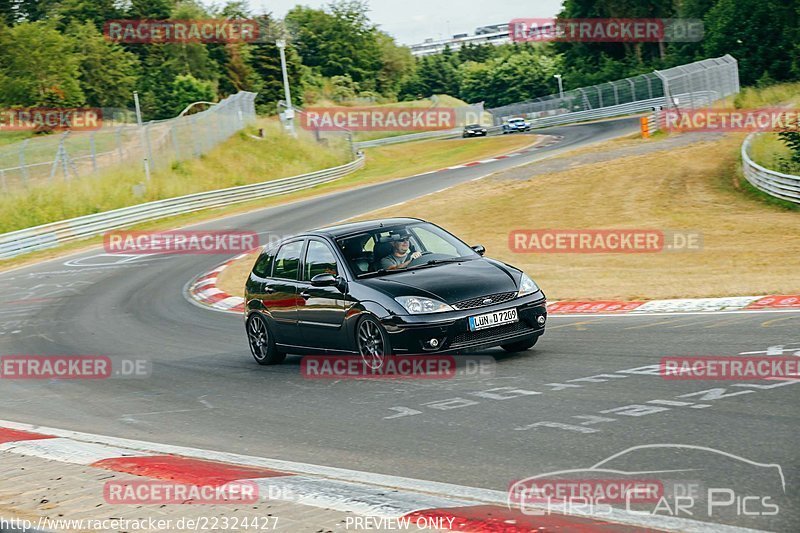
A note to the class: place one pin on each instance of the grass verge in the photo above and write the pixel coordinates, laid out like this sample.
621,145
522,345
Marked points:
239,161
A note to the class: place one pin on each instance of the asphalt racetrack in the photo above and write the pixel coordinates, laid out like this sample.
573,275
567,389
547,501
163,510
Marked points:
586,392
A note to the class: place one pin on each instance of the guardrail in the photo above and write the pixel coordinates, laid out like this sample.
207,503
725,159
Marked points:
397,139
49,235
772,182
426,135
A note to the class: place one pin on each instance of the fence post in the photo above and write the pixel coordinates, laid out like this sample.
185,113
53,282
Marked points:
94,152
119,144
23,166
147,144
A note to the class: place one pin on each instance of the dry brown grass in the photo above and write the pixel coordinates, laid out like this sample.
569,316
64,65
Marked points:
232,279
750,248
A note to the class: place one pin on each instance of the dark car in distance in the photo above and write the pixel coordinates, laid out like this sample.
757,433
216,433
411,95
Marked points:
474,130
393,286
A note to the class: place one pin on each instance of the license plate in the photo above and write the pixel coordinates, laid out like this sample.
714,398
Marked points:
489,320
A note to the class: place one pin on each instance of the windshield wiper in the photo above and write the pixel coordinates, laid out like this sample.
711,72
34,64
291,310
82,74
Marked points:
379,273
433,262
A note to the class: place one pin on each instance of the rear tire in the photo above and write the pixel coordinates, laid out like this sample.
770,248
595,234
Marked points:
520,346
262,343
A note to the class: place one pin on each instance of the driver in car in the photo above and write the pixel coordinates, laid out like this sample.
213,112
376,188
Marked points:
400,256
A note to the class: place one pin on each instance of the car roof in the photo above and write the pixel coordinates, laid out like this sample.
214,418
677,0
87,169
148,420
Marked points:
342,230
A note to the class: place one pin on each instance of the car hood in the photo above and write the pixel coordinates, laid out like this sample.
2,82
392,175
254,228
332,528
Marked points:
449,282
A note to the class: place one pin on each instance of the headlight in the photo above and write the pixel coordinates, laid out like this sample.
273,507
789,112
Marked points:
527,286
420,306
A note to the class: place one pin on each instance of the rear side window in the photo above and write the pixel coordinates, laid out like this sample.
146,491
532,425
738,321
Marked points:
287,262
319,260
263,266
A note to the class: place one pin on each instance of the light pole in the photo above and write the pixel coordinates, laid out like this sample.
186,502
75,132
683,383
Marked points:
289,113
142,135
560,86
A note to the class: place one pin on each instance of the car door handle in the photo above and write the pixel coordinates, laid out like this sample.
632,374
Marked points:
269,290
305,295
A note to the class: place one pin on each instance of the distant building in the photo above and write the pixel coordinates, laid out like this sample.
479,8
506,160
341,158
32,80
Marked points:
494,34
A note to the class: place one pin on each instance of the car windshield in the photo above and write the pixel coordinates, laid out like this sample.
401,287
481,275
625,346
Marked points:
392,249
474,126
517,120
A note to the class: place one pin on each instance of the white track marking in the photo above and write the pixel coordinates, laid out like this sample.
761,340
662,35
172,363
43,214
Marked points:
67,450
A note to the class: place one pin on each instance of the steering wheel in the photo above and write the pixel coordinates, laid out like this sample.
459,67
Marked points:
419,260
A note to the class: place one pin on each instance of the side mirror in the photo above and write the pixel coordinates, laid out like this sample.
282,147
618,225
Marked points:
324,280
480,250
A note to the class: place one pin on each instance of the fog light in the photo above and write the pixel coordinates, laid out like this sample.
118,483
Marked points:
541,320
433,343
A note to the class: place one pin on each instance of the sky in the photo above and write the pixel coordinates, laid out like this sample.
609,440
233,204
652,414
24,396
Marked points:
413,21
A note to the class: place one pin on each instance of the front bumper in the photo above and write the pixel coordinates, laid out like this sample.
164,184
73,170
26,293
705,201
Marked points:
411,334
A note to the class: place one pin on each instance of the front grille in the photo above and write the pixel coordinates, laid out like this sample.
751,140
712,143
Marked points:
471,337
472,303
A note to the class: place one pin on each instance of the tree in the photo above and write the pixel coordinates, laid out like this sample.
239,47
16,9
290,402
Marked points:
438,75
792,140
761,34
265,60
8,12
39,67
397,63
108,74
517,77
341,42
94,11
150,9
34,10
187,89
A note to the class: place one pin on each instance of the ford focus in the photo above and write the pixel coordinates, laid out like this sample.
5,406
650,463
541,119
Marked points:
394,286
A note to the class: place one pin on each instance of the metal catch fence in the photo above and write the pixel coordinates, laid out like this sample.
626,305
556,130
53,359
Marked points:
43,159
688,86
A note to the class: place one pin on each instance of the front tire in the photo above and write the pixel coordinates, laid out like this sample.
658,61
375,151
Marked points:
372,342
262,343
520,346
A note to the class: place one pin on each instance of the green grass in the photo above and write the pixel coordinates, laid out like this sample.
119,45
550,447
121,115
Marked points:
10,137
753,97
239,161
769,151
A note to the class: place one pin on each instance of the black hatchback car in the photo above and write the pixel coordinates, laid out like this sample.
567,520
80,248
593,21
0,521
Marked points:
474,130
394,286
